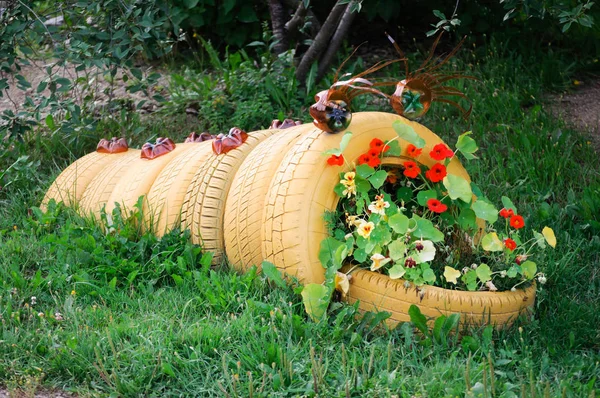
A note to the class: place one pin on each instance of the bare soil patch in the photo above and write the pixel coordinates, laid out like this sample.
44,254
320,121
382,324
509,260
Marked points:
581,110
93,82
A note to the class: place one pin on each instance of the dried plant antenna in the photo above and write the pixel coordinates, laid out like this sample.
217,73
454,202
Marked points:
413,95
332,110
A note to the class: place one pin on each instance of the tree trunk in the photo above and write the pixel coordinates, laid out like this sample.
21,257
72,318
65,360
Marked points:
320,42
336,41
278,18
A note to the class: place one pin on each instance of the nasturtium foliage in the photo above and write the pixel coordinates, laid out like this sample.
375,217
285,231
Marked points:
485,210
491,242
467,146
458,188
316,298
529,269
409,134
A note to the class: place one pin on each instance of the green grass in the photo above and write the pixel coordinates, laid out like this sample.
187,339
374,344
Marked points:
176,327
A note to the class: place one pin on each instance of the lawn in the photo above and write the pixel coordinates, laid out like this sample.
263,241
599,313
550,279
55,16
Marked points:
124,314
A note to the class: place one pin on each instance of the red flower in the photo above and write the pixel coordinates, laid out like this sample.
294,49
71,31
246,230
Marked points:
507,213
364,158
520,259
392,178
379,145
411,170
374,153
436,206
436,173
441,152
336,160
510,244
413,151
517,222
374,161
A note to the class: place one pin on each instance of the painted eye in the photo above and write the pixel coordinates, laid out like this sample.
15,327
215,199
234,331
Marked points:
334,118
412,100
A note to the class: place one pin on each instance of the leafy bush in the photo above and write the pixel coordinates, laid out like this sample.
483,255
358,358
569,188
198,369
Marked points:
241,91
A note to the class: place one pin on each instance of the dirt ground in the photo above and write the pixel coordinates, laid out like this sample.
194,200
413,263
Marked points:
581,109
93,82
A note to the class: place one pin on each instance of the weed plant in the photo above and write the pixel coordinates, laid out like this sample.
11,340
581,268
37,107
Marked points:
123,313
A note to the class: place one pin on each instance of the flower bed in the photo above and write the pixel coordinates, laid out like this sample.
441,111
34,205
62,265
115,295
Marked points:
417,228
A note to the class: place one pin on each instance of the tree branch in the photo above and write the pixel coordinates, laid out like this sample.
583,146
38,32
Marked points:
315,26
293,24
336,41
320,42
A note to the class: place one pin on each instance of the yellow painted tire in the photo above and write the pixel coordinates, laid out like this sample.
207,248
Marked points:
302,189
72,182
166,197
377,292
102,185
204,203
246,199
139,177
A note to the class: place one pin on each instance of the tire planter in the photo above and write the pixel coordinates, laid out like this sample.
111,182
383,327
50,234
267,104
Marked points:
265,200
168,191
204,206
70,185
377,292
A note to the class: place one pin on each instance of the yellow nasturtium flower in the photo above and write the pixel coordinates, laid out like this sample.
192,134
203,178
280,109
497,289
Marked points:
365,228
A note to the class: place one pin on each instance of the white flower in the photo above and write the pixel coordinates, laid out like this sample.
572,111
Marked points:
33,300
41,314
342,283
353,221
378,261
503,274
491,287
542,279
365,229
379,205
58,316
424,251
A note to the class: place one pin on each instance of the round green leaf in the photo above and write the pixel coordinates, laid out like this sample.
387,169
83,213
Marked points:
485,210
458,188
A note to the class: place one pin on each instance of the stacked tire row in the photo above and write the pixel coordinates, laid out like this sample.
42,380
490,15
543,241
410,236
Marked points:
261,201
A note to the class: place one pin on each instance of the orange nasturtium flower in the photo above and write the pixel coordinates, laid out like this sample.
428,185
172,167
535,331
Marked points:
411,170
336,160
436,173
441,152
413,151
506,213
436,206
379,145
517,222
510,244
